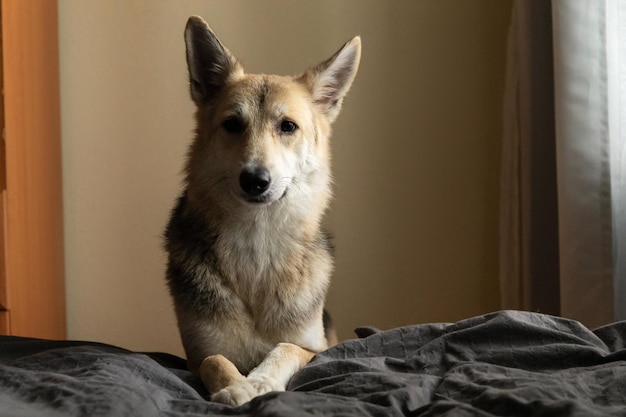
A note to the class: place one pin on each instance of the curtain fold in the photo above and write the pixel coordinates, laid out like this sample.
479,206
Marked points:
529,255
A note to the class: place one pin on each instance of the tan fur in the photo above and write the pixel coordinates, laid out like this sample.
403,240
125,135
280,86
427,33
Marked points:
251,302
217,373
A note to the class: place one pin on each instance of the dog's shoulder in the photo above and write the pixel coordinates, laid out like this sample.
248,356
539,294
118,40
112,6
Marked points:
190,243
188,229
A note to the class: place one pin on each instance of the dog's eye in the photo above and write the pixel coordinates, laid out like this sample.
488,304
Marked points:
287,126
234,125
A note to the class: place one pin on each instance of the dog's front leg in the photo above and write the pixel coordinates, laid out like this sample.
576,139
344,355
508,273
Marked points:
217,372
272,374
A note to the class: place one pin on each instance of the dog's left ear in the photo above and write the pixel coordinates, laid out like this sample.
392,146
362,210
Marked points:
330,81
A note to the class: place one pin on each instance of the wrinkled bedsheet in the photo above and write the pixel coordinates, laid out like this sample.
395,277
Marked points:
504,363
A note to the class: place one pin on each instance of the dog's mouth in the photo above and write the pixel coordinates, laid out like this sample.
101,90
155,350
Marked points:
261,200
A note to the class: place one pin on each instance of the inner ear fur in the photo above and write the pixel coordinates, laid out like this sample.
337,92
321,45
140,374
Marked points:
330,80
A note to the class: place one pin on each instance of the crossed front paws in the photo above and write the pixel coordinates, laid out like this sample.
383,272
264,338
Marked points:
221,377
244,390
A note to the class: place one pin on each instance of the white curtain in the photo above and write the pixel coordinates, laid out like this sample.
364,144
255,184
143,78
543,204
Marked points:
616,64
563,208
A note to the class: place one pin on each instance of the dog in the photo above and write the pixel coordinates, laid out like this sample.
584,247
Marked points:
248,262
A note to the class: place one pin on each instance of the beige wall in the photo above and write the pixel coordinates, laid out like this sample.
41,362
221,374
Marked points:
416,153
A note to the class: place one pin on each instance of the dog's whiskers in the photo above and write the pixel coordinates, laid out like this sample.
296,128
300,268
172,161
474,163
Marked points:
218,182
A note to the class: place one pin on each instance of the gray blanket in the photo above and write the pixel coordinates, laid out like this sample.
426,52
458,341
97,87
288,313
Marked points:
505,363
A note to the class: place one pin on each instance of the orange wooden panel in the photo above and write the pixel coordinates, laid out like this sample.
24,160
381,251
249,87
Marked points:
3,276
5,326
34,226
3,289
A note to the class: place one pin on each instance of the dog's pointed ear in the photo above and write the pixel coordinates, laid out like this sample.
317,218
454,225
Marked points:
330,81
210,63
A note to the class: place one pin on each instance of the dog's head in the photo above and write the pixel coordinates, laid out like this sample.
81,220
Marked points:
261,138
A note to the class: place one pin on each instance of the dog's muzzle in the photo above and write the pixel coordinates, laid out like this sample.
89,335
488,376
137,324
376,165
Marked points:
254,182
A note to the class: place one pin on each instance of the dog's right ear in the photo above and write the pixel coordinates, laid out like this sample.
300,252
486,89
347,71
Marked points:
210,63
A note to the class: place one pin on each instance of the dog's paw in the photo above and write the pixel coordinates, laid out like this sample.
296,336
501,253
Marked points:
243,391
236,394
264,385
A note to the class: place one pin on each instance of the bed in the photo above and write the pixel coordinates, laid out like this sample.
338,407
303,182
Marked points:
504,363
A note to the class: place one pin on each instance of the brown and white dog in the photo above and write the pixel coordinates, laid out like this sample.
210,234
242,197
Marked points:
249,264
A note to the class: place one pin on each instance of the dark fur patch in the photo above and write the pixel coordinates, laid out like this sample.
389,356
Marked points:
325,240
262,94
329,327
189,242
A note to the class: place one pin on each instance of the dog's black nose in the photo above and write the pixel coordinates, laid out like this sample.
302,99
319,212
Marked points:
255,181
